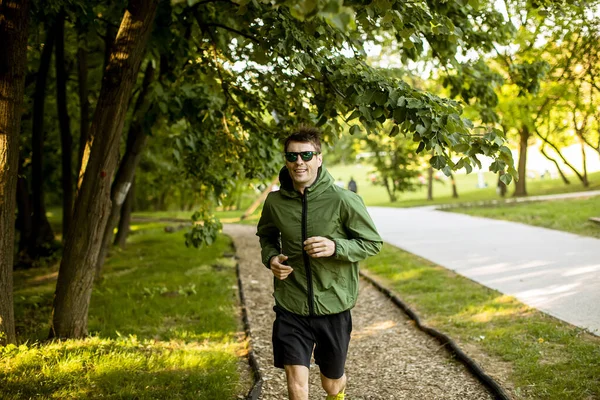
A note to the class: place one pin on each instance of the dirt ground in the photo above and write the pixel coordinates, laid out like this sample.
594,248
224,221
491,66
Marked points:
389,358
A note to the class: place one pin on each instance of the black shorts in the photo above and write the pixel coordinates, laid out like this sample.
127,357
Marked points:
295,336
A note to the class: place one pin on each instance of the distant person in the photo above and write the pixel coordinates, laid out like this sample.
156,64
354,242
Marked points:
352,185
312,235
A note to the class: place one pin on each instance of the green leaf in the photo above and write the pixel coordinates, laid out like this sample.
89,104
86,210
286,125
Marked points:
395,131
461,148
414,103
437,162
163,106
399,115
389,17
380,98
355,130
355,114
506,178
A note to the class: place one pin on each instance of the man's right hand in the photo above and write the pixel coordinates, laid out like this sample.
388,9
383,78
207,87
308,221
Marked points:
280,270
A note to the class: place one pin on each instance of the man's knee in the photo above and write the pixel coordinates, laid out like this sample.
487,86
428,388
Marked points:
333,386
297,381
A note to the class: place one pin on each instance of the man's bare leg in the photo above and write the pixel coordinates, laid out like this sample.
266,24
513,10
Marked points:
297,381
333,386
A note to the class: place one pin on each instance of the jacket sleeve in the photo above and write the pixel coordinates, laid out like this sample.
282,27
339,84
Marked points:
270,237
363,239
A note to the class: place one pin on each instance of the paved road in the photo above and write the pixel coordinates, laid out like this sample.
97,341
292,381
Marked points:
555,272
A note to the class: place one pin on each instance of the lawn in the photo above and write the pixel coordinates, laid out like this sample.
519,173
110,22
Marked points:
164,323
565,215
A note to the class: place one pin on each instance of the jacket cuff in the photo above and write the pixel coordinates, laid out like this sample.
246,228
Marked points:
338,253
267,261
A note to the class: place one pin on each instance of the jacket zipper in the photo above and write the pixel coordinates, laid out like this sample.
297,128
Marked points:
311,305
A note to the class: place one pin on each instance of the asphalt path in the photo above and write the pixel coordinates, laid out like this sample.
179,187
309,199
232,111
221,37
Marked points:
553,271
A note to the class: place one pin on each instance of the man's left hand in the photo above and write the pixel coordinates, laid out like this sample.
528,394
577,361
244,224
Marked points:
318,246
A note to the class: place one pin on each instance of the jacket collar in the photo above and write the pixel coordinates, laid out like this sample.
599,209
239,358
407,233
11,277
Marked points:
324,180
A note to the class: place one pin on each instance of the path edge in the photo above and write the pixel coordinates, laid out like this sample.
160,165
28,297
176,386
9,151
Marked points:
493,387
256,389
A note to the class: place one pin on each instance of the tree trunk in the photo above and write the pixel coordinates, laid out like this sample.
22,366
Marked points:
125,219
430,183
66,140
77,269
520,186
454,188
109,43
84,104
136,141
13,60
584,180
24,220
501,186
389,190
42,231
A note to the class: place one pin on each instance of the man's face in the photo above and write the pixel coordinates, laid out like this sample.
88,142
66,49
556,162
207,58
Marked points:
303,173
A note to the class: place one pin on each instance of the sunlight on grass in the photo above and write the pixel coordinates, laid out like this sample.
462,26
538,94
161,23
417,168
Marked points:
164,321
149,368
548,358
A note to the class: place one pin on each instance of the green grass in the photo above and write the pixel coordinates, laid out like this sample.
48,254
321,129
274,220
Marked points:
566,215
548,359
164,323
233,216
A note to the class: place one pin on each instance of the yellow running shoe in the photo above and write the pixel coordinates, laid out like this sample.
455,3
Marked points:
340,396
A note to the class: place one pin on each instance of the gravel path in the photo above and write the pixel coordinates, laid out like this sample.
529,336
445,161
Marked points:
389,358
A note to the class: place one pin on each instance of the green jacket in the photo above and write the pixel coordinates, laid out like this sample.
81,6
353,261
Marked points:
317,286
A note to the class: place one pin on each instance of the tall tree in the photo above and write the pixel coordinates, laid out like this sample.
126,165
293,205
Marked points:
77,269
136,141
42,235
66,139
14,21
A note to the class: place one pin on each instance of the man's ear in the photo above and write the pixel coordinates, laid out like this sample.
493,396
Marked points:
320,160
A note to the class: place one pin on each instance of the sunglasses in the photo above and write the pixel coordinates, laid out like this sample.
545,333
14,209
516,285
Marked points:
292,156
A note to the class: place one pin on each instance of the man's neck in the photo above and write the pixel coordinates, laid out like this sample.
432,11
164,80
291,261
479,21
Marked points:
300,189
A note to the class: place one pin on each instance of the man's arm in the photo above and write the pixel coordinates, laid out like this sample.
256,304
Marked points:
364,240
270,244
270,237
